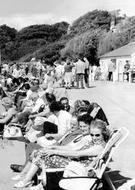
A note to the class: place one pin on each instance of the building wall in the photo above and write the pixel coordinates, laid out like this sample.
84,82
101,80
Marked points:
104,68
118,73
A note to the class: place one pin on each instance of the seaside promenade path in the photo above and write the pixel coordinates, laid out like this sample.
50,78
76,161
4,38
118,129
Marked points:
118,102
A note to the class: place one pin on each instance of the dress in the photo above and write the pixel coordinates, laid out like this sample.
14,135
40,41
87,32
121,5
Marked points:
55,161
68,75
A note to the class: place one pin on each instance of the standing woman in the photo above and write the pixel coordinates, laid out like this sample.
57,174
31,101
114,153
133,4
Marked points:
68,74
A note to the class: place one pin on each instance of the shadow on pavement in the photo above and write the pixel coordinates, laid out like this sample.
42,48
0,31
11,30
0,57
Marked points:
116,179
92,86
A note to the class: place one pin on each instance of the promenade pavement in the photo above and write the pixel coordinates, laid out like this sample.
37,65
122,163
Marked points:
118,102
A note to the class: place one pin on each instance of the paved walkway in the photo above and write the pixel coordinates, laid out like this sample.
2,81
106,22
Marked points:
118,102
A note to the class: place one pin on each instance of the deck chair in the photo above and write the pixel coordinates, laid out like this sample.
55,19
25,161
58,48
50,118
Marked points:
93,183
53,175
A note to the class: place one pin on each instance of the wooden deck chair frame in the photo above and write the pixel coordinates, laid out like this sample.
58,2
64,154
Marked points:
92,183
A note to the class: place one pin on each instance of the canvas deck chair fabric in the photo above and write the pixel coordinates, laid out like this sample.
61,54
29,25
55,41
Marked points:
93,183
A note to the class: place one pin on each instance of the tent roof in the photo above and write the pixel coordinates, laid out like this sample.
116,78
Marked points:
126,50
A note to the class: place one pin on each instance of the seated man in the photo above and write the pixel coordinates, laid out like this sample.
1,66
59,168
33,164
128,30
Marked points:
65,103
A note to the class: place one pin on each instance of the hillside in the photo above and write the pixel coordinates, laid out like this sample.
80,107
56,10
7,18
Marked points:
24,43
91,35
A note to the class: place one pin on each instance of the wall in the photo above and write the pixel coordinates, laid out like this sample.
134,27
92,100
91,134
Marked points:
118,74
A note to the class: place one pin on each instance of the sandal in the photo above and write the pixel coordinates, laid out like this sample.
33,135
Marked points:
21,184
17,177
16,167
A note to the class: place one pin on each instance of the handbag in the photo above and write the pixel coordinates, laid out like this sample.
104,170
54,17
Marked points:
12,131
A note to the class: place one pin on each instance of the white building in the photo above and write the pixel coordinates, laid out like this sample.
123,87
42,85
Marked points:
119,56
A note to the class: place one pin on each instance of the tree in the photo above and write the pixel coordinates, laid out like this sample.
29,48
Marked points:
124,33
7,37
36,38
93,20
49,33
84,44
50,53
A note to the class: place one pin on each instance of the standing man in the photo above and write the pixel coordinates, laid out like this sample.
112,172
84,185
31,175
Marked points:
86,74
80,70
126,69
110,70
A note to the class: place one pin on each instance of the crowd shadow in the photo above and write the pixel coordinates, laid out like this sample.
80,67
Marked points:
74,87
91,86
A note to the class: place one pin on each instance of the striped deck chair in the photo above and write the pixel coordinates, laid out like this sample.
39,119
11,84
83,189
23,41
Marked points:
93,183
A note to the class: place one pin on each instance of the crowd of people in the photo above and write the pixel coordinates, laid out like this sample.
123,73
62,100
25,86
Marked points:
76,72
68,73
55,130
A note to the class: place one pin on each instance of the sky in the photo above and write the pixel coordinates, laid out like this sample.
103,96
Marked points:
22,13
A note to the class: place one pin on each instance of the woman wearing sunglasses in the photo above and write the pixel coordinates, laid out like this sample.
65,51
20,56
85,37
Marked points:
54,158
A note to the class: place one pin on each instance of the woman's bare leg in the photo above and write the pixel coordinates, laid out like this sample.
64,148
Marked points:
26,169
32,171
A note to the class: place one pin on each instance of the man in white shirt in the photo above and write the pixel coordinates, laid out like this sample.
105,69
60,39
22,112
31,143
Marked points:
80,70
16,73
62,120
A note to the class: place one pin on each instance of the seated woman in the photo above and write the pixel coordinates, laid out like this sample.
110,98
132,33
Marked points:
54,158
10,112
48,98
34,110
83,136
57,118
20,94
66,139
29,104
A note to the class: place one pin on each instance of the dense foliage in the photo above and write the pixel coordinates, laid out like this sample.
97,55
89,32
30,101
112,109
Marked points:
124,33
91,35
94,20
84,44
26,42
